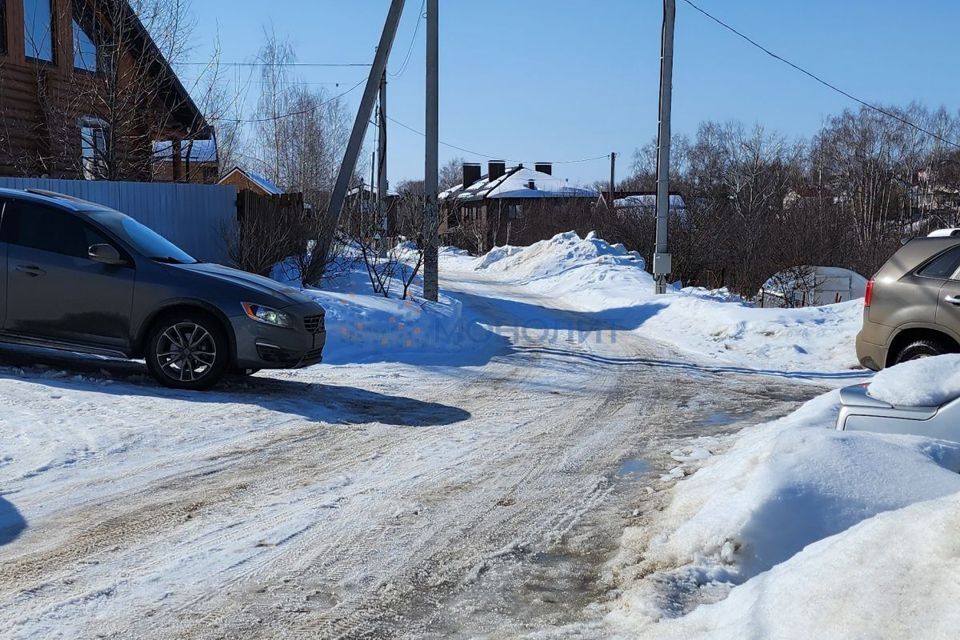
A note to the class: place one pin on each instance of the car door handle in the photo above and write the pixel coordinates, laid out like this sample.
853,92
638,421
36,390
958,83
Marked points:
31,270
954,300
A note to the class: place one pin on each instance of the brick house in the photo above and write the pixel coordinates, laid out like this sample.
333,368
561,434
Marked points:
510,205
85,92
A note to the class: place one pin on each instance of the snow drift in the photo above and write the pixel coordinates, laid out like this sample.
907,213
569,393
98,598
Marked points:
920,383
801,531
592,275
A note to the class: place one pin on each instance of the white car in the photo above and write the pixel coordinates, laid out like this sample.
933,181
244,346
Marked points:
861,412
944,233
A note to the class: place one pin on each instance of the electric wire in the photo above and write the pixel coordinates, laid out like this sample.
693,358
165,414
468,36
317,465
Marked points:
820,80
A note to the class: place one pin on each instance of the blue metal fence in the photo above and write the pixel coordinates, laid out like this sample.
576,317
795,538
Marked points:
195,217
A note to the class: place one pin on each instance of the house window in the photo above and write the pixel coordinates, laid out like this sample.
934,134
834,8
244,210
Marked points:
84,50
93,145
38,29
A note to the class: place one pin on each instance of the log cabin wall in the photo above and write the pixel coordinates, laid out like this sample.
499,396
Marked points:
43,103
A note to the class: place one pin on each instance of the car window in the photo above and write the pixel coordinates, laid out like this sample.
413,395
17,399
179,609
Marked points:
37,226
142,238
943,266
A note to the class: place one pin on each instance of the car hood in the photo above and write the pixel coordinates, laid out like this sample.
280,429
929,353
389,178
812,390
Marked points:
265,286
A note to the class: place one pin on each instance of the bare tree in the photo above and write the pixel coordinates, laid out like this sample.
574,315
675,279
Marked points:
451,173
301,136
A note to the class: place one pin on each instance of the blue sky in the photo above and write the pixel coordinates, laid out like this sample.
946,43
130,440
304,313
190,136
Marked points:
569,79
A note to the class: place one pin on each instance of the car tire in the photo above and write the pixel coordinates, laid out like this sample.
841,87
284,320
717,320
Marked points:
924,348
188,350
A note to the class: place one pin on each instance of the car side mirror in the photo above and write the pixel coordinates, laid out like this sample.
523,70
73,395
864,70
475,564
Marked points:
105,254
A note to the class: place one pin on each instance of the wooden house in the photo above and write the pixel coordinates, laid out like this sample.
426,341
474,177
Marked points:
85,92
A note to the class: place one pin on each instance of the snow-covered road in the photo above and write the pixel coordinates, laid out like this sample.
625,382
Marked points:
362,500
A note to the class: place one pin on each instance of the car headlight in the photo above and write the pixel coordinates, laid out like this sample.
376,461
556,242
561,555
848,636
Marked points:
266,315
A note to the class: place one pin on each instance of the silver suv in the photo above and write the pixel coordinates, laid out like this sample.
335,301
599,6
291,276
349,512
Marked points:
912,305
80,277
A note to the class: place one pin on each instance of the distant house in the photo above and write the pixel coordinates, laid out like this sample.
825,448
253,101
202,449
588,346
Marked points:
934,191
65,113
646,203
198,164
809,194
242,179
493,208
361,210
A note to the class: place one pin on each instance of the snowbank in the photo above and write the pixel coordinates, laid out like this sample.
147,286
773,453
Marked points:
801,531
366,327
920,383
591,275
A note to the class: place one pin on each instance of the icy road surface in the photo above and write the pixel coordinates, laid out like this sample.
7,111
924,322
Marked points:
353,501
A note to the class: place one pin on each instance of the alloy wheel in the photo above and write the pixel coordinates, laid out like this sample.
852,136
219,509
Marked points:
186,351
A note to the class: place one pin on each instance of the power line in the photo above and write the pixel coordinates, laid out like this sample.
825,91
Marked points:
413,42
302,112
277,64
487,156
825,83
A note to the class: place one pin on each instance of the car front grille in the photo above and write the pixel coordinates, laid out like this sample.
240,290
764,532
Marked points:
313,324
311,357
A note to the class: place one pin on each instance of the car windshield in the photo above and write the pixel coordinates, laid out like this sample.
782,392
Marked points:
142,238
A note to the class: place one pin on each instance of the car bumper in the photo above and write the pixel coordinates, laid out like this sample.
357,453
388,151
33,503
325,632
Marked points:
872,356
262,346
859,411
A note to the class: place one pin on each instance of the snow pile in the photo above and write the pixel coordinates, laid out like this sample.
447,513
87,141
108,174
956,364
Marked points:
554,257
612,285
927,382
801,531
363,326
894,576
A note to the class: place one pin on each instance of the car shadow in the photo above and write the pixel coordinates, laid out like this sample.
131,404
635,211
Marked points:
320,402
12,523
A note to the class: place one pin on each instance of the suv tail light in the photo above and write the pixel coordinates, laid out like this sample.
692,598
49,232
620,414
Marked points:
868,296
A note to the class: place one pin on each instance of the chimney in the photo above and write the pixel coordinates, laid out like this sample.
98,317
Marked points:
496,169
471,174
544,167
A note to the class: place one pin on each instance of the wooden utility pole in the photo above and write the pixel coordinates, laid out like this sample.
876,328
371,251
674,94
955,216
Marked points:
662,259
357,135
613,178
431,214
383,187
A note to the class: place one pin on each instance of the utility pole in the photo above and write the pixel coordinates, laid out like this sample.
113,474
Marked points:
431,214
355,143
613,181
383,187
662,260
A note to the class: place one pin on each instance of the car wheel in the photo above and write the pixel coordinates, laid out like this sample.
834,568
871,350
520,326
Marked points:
188,350
925,348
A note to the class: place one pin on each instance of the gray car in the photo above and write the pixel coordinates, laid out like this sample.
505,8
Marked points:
912,305
84,278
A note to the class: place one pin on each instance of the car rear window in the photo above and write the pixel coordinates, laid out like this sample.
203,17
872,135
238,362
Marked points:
943,266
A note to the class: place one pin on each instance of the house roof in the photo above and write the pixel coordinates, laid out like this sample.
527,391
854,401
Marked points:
518,182
267,185
391,193
197,150
174,95
647,201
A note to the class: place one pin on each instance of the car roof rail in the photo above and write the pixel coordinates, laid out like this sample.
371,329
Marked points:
56,195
